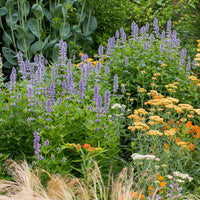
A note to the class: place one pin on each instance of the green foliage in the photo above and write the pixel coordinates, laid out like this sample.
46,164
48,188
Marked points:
32,28
111,15
144,59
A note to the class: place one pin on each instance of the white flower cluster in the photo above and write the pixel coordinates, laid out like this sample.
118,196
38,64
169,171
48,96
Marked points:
117,105
184,176
137,156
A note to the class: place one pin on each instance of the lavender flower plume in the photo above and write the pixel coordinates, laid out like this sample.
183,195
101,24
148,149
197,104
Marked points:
99,103
23,70
100,50
30,92
106,70
36,144
53,75
107,100
48,105
19,58
52,90
145,46
62,52
81,88
46,143
117,34
96,92
64,85
115,88
70,83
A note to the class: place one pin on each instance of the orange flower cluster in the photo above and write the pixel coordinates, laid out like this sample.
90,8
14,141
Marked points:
86,146
134,195
187,145
194,130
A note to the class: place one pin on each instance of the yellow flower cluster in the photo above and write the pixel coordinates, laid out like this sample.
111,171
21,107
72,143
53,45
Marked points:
164,65
142,90
135,117
171,87
139,126
186,107
195,80
162,101
156,118
170,132
140,111
197,58
157,74
154,132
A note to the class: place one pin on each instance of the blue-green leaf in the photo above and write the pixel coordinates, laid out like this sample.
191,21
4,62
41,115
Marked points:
33,27
37,11
89,25
10,55
3,11
65,31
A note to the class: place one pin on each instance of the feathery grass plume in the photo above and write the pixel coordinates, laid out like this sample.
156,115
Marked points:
26,185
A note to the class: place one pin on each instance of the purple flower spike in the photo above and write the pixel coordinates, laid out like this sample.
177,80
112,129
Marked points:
115,88
99,103
81,88
46,143
107,100
96,92
100,50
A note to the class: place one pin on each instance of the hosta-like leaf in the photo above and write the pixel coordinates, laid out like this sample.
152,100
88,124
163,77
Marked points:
89,25
77,31
33,27
47,14
7,38
3,11
58,11
10,55
26,9
35,47
14,20
9,4
37,11
65,31
21,44
81,18
7,65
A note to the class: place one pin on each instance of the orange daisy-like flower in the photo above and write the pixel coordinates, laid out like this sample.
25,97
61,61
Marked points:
162,184
160,178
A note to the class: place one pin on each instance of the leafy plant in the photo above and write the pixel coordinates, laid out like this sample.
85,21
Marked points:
37,27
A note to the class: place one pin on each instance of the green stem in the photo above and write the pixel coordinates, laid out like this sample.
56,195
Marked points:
64,20
38,31
83,6
22,19
12,32
18,4
88,24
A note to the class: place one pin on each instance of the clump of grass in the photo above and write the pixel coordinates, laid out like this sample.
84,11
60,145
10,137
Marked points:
26,185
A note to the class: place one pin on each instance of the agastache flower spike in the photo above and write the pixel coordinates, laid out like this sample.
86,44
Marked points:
64,86
53,75
19,59
52,90
99,103
100,50
115,88
30,92
107,100
117,34
81,88
96,92
70,83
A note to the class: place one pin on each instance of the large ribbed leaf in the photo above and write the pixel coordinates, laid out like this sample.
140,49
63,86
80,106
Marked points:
3,11
10,55
89,25
65,31
37,11
33,27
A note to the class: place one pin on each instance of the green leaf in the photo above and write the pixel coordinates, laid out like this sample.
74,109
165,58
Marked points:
3,11
58,11
37,11
51,44
7,38
65,31
7,65
47,14
21,44
33,26
35,47
89,25
9,4
77,31
14,18
55,53
21,31
27,9
81,18
10,55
